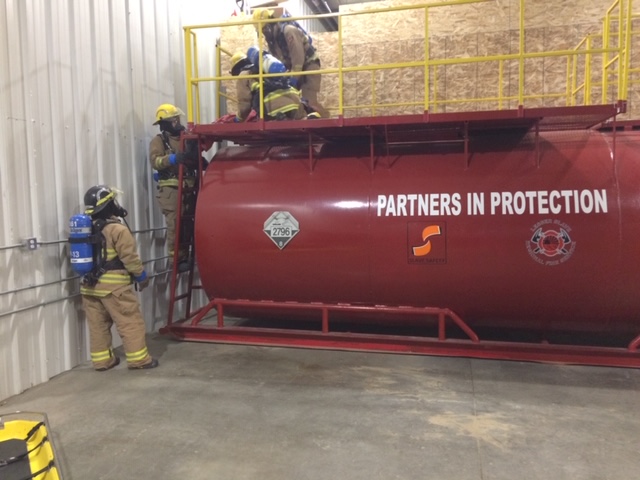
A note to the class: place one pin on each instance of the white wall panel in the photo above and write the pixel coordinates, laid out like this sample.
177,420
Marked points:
79,84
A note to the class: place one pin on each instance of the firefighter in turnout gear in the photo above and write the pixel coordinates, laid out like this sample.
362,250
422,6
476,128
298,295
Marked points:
281,101
107,293
165,155
293,46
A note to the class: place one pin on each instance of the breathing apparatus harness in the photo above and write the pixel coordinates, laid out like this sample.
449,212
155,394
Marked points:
280,40
165,141
167,173
101,264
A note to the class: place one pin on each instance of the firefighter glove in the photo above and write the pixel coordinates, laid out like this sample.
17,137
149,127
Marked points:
187,158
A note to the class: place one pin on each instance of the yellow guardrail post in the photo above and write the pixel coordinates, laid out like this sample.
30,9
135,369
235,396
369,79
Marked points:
341,73
521,59
373,93
188,66
605,57
621,58
587,73
569,80
627,48
574,75
218,67
260,71
435,89
426,59
220,94
621,26
197,74
500,80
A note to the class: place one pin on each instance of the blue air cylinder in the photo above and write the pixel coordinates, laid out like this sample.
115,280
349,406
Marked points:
81,251
270,64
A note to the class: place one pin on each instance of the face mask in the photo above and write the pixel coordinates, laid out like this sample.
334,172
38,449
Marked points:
118,211
171,129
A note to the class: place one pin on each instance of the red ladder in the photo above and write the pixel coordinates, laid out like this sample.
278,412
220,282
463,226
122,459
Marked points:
184,238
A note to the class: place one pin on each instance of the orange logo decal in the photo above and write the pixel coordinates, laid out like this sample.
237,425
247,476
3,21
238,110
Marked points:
429,231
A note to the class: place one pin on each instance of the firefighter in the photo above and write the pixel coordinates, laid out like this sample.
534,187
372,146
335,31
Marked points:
107,293
165,154
293,46
281,101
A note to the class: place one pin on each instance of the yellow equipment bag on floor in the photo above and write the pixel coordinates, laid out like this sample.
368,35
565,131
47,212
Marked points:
26,448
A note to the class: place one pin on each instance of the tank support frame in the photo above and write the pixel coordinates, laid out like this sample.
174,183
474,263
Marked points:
201,327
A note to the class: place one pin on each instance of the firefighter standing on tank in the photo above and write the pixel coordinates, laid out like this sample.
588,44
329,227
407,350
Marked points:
165,155
107,293
290,44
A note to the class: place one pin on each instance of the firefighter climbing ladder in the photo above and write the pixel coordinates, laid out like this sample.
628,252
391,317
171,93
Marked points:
183,282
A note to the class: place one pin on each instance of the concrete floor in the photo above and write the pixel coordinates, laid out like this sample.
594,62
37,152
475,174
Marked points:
238,412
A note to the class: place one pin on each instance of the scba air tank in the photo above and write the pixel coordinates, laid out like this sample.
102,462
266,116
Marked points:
81,249
270,64
524,231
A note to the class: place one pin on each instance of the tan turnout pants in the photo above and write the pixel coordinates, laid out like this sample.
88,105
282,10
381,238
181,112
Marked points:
123,308
168,200
310,87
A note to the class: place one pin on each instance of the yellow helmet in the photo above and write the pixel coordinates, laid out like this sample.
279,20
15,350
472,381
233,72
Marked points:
262,14
238,61
167,111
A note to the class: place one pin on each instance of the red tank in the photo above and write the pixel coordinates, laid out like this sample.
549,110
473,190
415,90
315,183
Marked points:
538,233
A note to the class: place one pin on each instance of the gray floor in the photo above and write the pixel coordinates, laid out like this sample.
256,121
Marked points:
237,412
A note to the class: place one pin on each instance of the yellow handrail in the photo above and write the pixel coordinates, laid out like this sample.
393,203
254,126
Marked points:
613,53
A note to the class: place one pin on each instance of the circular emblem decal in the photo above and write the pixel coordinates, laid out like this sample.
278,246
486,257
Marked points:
551,244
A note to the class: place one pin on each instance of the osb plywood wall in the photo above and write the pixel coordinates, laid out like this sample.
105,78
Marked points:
461,31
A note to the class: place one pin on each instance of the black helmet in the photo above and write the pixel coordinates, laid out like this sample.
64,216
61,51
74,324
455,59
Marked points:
97,198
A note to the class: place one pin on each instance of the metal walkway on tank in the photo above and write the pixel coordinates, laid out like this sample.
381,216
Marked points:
589,97
428,127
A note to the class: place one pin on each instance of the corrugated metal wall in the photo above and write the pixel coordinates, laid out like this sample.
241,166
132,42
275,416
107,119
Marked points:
301,8
79,84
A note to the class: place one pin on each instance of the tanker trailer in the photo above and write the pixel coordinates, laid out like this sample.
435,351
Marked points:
519,232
